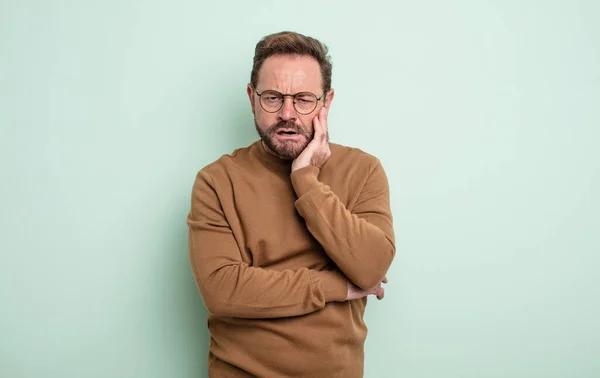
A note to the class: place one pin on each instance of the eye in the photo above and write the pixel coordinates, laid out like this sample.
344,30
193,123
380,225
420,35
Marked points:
271,97
305,98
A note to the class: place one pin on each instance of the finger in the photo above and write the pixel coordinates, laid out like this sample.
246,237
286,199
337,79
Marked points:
318,117
317,127
323,121
375,291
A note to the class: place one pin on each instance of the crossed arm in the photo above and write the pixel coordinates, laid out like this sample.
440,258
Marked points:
360,242
230,287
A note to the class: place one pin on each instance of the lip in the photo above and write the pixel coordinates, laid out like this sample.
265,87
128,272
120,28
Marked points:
286,131
289,137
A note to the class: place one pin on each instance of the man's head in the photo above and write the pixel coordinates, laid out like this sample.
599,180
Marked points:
290,64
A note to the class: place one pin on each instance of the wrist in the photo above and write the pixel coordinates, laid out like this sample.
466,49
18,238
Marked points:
333,284
296,165
304,179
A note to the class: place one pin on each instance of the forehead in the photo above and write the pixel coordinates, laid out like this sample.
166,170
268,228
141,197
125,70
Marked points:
290,74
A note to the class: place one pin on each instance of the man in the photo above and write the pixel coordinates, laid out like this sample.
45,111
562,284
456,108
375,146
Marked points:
288,236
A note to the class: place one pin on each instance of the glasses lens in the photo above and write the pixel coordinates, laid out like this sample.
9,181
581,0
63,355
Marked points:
305,102
271,101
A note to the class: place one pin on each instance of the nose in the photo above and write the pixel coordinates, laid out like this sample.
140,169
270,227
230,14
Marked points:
287,111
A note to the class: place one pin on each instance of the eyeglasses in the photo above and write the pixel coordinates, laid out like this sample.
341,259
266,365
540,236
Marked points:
304,102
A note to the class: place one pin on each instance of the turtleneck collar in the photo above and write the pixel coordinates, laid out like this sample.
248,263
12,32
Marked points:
269,159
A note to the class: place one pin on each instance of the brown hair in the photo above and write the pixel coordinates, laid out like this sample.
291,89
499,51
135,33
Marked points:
294,44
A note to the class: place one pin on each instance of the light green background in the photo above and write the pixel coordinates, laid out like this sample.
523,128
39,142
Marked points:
484,114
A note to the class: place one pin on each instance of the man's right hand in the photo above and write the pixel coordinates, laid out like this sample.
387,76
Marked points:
355,292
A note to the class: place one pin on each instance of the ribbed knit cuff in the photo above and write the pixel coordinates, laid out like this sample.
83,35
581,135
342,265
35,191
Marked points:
304,179
333,283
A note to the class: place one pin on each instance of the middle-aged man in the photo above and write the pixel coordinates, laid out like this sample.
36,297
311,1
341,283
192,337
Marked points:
288,236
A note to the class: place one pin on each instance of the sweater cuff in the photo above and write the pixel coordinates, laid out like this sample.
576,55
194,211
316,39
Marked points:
333,283
304,179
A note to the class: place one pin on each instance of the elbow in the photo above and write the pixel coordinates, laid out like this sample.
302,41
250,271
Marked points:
372,272
214,306
367,279
366,282
210,285
213,302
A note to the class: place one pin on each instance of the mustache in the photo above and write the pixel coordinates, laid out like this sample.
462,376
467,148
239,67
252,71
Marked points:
290,125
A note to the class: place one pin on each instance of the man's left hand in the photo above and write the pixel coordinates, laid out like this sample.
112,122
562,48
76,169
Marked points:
317,152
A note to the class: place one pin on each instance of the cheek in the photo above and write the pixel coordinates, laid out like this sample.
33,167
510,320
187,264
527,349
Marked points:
265,119
307,122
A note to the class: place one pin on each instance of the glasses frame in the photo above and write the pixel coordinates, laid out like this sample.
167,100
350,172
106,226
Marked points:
283,96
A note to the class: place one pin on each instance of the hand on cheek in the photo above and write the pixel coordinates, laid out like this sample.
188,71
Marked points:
317,152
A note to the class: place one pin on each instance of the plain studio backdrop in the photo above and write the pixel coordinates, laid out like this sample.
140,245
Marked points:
485,116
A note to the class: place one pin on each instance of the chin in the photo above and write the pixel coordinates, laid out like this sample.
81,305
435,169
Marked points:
286,151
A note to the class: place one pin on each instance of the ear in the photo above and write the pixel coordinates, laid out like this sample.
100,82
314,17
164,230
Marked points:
250,91
329,98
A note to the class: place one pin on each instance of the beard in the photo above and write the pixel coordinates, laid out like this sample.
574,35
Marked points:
287,150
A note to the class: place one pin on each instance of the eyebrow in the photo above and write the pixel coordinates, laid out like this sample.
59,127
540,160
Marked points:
295,93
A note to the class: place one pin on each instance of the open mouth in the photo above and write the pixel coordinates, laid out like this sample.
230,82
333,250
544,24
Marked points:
286,132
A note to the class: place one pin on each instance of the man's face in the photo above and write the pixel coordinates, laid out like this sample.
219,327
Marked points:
286,133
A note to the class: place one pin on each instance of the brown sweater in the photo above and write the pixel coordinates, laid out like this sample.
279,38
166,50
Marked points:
271,254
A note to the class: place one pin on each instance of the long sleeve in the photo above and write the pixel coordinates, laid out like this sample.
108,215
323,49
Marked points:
361,241
230,287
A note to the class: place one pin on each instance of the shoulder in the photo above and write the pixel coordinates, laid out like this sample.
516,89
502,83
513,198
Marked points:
343,155
222,167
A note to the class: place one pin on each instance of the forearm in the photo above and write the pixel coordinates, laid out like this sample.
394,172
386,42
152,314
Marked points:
230,287
361,250
361,242
238,290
